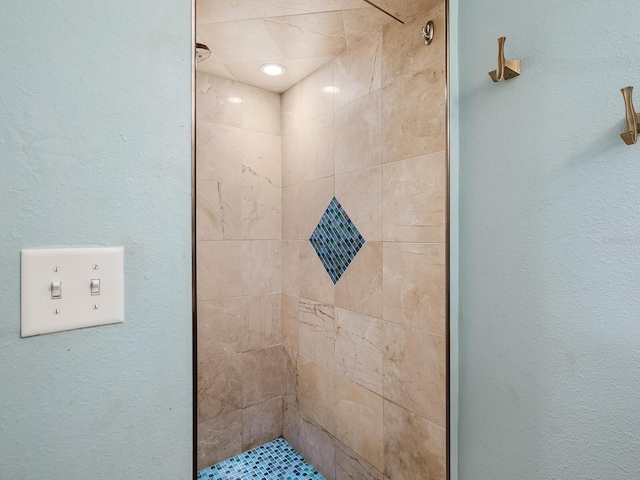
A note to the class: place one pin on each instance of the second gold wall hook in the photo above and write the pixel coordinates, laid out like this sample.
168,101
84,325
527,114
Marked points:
507,69
630,137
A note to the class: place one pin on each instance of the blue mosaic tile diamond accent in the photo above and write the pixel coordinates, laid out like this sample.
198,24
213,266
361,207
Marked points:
336,240
275,460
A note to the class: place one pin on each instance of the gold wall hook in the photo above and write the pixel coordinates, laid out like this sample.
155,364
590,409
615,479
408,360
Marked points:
630,137
507,69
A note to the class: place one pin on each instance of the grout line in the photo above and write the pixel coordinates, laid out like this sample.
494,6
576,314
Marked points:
344,30
210,122
253,295
416,414
271,17
384,11
380,107
308,300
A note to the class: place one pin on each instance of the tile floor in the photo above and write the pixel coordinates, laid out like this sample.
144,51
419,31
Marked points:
275,460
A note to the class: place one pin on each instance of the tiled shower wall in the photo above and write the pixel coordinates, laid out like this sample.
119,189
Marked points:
370,351
240,356
352,374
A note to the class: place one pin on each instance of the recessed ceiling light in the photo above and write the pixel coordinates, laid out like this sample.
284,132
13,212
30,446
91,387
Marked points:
235,100
273,69
331,89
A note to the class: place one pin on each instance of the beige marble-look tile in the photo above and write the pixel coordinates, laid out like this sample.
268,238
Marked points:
251,212
315,102
290,107
315,283
354,4
359,349
219,439
415,371
318,447
414,286
358,138
292,166
260,266
208,211
217,100
262,213
415,57
291,267
292,163
360,22
290,375
218,152
359,420
316,396
290,323
414,448
291,206
314,197
254,322
233,155
222,328
317,332
351,466
359,70
218,272
271,313
219,387
360,194
262,375
261,160
414,199
307,36
214,67
291,424
406,10
264,320
239,41
208,11
317,142
360,287
414,111
279,8
261,423
261,110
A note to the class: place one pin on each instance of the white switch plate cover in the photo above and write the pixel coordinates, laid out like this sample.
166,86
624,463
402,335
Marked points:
75,268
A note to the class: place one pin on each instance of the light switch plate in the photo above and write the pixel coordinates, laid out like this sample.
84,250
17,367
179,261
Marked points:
77,307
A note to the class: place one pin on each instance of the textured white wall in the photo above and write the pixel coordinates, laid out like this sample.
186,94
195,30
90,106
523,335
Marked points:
95,150
549,242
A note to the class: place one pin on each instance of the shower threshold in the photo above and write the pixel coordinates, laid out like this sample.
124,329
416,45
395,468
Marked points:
276,460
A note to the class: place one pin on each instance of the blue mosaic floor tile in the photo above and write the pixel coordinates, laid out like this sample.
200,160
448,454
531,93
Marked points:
336,240
275,460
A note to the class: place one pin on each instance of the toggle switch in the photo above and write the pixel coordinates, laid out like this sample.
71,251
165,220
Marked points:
56,290
95,287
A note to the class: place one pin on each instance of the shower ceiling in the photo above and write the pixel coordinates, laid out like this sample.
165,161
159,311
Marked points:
301,35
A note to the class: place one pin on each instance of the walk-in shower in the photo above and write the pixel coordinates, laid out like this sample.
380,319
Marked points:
321,229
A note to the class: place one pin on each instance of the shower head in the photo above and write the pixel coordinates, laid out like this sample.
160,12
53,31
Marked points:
202,52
